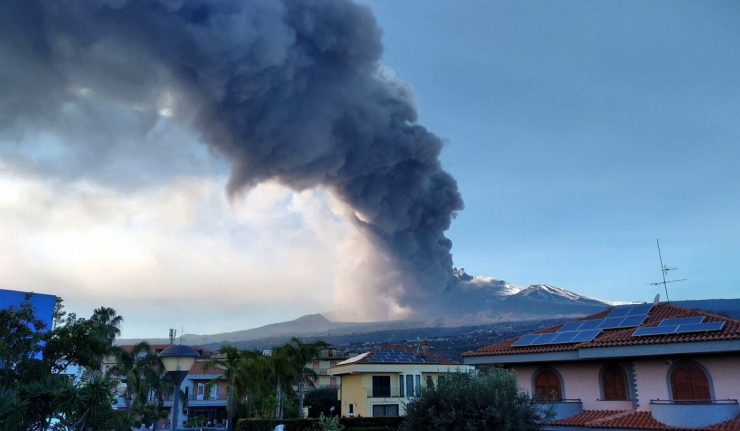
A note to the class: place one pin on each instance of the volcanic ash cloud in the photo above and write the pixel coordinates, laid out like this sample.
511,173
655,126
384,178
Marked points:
291,91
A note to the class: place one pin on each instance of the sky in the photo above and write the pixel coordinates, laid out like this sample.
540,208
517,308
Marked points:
578,133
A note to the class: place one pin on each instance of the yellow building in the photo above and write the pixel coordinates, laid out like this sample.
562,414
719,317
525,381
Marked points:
380,382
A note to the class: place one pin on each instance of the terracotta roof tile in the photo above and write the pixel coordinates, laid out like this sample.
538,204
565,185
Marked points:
624,419
199,367
588,417
623,337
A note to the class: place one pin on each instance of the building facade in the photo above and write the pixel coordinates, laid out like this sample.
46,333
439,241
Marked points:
380,382
662,367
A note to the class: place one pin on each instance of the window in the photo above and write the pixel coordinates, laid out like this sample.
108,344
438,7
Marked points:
213,392
385,410
547,386
351,410
689,383
381,386
614,383
409,385
201,391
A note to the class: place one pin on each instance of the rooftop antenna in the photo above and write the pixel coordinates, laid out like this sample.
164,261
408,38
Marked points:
173,335
663,270
182,331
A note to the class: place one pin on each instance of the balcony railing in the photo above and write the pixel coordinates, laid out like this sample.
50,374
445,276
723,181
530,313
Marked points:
384,392
694,414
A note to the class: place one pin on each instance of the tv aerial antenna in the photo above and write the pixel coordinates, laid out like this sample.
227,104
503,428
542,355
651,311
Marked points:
664,270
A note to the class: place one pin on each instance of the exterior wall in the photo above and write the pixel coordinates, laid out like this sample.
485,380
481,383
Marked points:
353,392
578,381
357,389
651,375
653,379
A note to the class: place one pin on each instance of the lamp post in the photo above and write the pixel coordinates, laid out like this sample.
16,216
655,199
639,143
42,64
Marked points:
177,361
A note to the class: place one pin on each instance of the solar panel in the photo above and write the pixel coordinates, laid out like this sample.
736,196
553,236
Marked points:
619,312
700,327
640,309
631,321
611,323
657,330
570,326
682,321
525,340
590,324
586,336
544,339
565,337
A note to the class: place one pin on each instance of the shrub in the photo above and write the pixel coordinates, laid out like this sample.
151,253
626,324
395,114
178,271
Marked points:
464,402
349,424
330,423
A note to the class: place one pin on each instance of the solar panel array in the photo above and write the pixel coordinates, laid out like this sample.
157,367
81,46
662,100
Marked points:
399,356
584,331
680,326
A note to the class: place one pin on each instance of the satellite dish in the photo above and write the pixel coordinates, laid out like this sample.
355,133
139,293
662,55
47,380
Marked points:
656,300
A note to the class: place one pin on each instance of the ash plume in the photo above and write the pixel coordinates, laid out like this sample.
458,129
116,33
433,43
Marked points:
291,91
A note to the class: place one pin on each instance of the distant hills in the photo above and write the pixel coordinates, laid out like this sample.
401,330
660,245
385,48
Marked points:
481,301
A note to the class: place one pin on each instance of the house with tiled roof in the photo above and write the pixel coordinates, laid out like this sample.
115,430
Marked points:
381,381
203,387
635,367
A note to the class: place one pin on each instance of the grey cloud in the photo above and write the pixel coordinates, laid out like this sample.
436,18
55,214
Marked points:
286,90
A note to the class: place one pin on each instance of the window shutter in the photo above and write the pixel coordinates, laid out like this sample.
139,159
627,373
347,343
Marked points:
547,386
614,382
689,384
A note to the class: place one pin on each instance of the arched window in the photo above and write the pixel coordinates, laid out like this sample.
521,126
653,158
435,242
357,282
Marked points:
614,383
547,386
689,383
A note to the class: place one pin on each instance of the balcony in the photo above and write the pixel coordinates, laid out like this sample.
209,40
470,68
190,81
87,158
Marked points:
693,414
195,400
384,392
560,409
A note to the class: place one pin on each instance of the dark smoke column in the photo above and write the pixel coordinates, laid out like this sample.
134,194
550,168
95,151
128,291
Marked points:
292,91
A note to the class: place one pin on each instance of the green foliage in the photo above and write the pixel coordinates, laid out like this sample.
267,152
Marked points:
330,423
35,394
466,403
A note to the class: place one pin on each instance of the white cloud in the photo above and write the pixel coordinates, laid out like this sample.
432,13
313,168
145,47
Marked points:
271,254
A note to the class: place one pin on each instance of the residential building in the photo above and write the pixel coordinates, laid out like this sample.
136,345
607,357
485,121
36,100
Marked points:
206,392
204,387
327,359
630,367
380,382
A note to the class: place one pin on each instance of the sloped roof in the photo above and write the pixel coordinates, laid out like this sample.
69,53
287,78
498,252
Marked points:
623,336
199,367
397,354
624,419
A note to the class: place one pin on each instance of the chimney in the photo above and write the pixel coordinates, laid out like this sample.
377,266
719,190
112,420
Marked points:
425,347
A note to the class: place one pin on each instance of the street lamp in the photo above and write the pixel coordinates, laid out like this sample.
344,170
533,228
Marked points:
177,360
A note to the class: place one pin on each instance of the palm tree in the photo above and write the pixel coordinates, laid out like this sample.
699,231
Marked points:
300,355
254,381
129,367
229,361
283,374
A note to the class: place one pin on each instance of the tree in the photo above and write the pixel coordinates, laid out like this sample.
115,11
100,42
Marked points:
299,356
229,361
464,402
35,392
